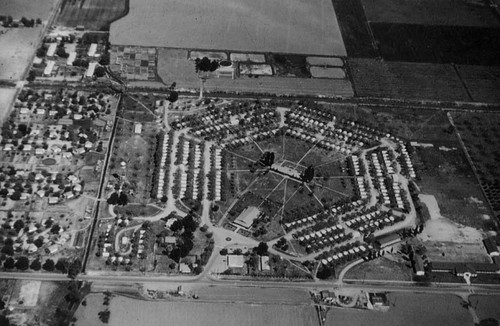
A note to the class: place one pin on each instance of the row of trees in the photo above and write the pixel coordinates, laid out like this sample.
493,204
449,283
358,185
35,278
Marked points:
63,265
8,21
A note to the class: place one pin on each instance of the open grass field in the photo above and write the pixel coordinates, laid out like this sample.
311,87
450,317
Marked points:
375,78
173,66
17,46
481,136
130,312
380,269
438,44
407,308
486,306
27,8
431,12
447,176
7,96
239,25
432,125
95,15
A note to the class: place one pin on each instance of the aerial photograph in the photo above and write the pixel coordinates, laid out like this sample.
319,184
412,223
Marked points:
250,162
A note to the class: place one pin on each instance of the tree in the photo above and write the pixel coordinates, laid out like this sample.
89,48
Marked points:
36,265
189,223
122,199
173,96
38,241
308,174
23,263
104,61
49,265
176,226
42,51
261,249
4,321
9,263
18,225
203,67
62,265
324,272
100,71
55,229
8,250
74,268
223,252
61,52
113,199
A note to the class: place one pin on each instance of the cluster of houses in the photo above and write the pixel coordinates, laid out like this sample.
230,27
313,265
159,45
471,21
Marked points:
380,181
197,166
140,243
311,220
218,174
377,220
360,180
44,185
406,161
106,238
346,255
329,236
165,151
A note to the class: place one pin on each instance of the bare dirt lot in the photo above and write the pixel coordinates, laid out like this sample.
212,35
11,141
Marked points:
17,46
27,8
431,12
294,26
93,14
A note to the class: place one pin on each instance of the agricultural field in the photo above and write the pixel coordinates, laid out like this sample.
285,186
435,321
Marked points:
282,26
355,29
402,309
428,12
437,44
125,311
481,136
481,82
407,80
94,15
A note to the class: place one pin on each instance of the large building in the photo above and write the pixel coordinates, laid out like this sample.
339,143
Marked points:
246,218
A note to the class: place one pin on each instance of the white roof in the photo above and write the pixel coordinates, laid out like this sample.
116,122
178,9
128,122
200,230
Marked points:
49,67
71,58
235,261
92,49
52,49
91,68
